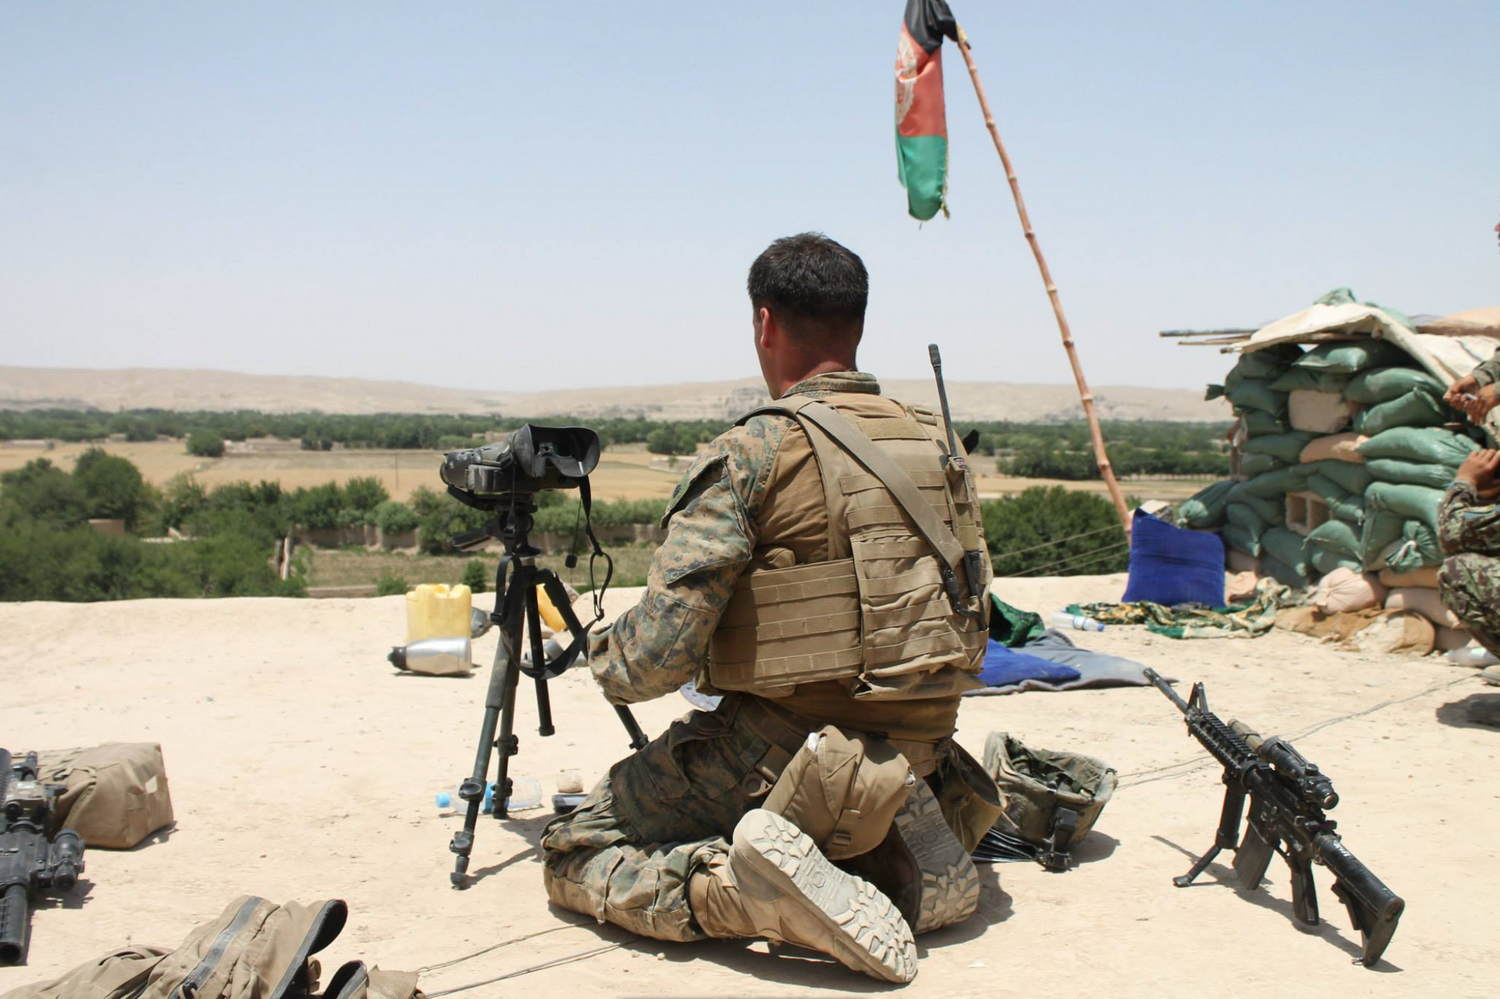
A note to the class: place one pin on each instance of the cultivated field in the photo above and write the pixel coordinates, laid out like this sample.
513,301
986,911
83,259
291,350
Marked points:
625,472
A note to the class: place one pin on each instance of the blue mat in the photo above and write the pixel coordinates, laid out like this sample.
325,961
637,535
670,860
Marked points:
1005,667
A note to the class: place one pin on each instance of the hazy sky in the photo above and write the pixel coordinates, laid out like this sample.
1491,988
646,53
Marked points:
542,195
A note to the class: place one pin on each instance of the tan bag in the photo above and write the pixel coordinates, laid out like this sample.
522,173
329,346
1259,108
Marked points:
842,790
116,793
254,950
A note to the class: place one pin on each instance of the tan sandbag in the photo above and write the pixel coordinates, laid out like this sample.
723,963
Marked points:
1426,576
1425,602
1241,587
1238,561
1347,590
1398,633
116,794
1448,639
1335,447
1308,620
1474,322
1319,412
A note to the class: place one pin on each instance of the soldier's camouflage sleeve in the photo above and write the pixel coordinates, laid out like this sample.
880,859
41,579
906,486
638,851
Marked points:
1487,372
1465,524
659,644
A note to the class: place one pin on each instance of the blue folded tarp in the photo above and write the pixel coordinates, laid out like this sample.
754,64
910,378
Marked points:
1008,668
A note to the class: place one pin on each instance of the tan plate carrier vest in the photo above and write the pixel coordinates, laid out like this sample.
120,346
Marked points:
881,613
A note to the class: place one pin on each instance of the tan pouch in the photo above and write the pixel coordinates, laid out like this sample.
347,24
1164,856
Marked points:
968,796
116,794
120,974
842,790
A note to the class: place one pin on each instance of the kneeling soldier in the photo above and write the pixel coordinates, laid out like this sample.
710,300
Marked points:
814,573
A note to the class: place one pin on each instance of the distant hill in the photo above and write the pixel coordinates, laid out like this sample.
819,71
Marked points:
167,388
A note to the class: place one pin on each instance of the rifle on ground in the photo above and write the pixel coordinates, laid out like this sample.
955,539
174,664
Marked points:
1288,796
32,863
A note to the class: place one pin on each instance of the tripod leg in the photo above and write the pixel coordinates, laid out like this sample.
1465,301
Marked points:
539,658
499,707
559,598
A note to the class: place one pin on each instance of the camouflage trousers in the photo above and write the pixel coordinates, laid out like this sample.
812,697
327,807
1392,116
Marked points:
1470,587
625,855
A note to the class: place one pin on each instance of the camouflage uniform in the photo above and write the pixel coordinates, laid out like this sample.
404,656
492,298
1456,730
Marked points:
1470,579
627,853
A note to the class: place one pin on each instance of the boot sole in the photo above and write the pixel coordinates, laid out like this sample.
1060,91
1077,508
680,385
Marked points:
950,882
865,930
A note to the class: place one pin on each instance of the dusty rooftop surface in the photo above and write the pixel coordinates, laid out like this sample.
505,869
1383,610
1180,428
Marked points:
302,767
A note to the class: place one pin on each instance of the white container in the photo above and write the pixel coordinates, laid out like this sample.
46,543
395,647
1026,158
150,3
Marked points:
1075,621
1471,655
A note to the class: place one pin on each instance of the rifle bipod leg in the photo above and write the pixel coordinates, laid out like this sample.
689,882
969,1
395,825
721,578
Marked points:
1183,880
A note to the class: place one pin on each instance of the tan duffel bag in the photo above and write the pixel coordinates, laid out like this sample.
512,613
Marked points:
253,950
116,794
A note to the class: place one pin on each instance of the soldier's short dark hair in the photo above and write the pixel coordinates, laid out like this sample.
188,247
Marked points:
815,287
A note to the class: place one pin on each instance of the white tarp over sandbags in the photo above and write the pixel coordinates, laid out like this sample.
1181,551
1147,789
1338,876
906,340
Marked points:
1447,357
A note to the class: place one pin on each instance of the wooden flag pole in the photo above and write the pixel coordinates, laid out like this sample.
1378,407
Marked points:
1101,457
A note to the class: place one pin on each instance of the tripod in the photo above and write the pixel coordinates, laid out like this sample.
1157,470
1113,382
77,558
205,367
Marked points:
515,604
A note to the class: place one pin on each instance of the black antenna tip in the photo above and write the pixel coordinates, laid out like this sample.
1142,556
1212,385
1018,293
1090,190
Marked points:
932,353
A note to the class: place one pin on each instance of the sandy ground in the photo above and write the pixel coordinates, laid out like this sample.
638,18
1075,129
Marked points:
303,767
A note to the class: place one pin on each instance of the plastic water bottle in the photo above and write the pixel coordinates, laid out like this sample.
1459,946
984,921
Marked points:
1077,622
1471,655
525,792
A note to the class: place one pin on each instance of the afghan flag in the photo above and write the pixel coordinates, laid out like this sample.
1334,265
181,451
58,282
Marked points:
921,127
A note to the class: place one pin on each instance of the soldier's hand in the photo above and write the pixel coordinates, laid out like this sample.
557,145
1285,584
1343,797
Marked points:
1481,402
1467,385
1479,470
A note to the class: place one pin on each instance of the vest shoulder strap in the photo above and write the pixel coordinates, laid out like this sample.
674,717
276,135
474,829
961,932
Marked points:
891,475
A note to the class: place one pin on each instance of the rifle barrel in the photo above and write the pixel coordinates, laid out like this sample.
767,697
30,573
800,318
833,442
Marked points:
1166,688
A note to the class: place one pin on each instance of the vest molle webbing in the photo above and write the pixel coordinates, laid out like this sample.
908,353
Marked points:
884,617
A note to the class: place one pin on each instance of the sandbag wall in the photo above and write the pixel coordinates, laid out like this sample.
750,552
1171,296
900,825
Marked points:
1340,462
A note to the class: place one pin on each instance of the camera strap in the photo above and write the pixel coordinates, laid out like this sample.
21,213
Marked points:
586,499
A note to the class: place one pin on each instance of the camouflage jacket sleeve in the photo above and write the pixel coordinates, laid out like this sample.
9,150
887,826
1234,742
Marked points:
1465,524
659,644
1487,372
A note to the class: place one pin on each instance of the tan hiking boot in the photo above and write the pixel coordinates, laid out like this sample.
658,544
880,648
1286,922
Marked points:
949,891
776,884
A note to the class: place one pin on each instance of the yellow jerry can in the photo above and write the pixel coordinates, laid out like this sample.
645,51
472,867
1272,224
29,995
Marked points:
434,610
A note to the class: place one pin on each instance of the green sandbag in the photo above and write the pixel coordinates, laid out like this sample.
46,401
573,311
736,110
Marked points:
1246,519
1346,506
1285,448
1408,502
1325,560
1278,482
1286,547
1258,423
1264,364
1269,509
1335,535
1283,573
1410,472
1255,465
1313,381
1425,445
1385,384
1255,393
1351,476
1205,508
1382,529
1350,358
1414,409
1240,539
1419,549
